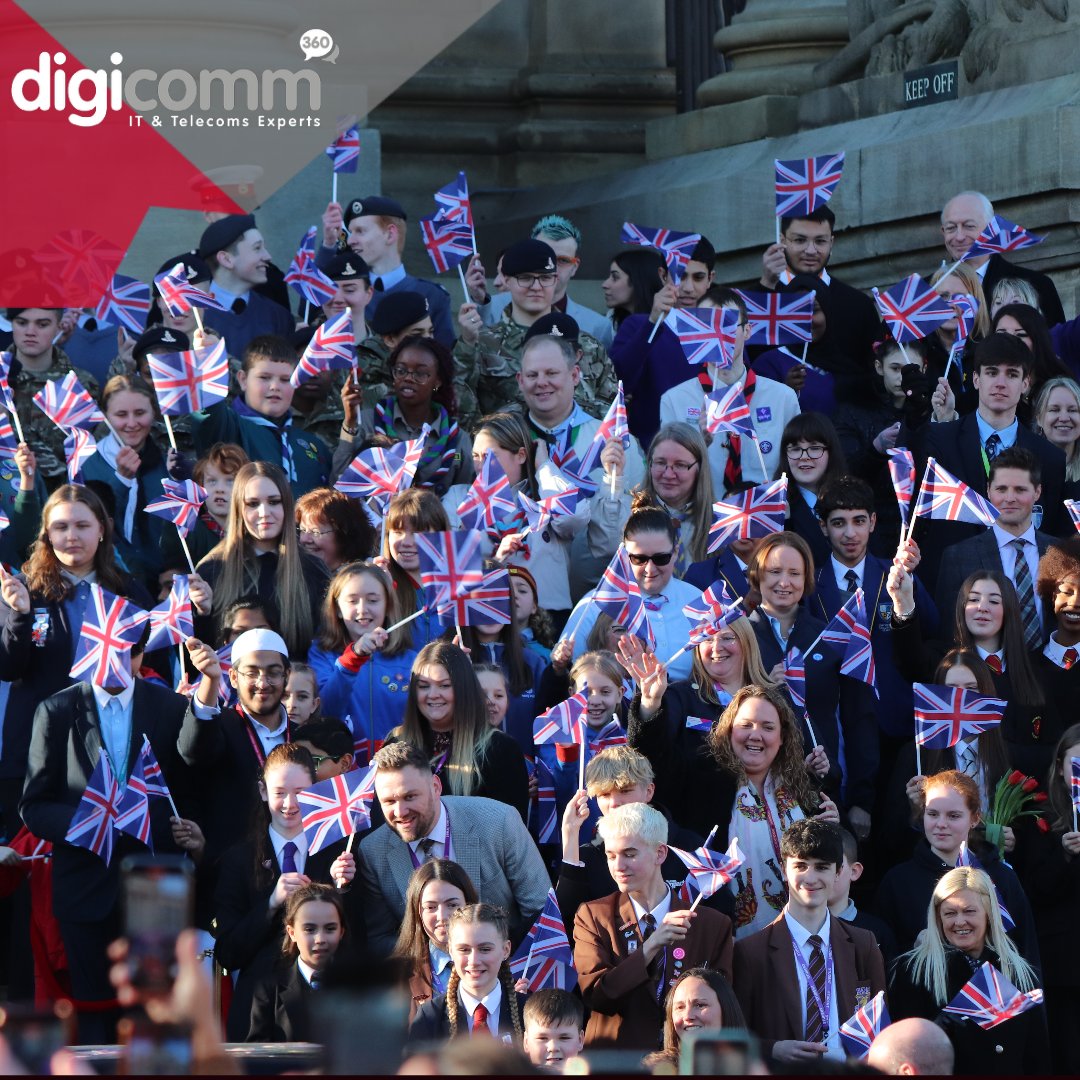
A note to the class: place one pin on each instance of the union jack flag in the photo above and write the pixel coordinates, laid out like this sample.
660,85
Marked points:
344,151
699,723
613,426
912,309
547,946
710,625
676,247
966,310
378,474
564,458
611,734
943,497
126,303
706,335
110,627
990,999
330,349
336,808
171,622
80,258
487,602
450,563
447,242
188,381
1074,781
305,277
539,514
795,677
453,201
728,410
79,447
8,444
867,1023
6,395
966,857
778,318
946,714
999,236
92,825
544,803
562,723
485,502
709,871
133,811
804,184
153,777
1074,512
849,630
619,595
755,512
181,503
902,474
712,603
178,294
67,404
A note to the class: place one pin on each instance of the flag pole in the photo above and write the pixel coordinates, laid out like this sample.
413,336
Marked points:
528,962
464,287
581,760
187,550
408,619
14,414
198,318
760,457
918,761
333,186
169,431
656,326
810,728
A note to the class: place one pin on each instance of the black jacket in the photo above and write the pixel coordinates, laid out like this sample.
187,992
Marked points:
279,1008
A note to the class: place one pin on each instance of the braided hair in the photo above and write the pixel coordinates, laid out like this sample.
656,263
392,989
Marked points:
496,917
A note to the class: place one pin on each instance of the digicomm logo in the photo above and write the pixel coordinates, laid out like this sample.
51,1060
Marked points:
88,94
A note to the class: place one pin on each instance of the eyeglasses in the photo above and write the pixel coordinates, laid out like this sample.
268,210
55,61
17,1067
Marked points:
680,468
810,452
412,374
660,559
820,243
320,758
312,534
270,675
527,281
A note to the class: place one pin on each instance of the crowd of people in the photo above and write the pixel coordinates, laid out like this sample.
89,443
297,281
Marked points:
868,864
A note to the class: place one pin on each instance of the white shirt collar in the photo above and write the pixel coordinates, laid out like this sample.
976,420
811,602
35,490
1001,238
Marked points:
306,970
823,276
1000,654
103,697
491,1001
266,733
1054,651
1004,539
840,570
279,842
800,935
438,832
657,912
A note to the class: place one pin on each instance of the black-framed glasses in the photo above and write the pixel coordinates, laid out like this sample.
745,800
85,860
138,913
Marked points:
680,468
416,375
527,281
661,558
810,452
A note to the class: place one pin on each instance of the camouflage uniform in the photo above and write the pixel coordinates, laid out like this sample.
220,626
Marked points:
485,373
44,437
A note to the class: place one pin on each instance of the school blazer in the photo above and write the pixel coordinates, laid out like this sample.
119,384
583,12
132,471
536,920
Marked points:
279,1008
64,752
624,995
767,984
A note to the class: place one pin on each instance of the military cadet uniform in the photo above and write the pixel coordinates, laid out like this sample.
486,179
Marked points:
44,437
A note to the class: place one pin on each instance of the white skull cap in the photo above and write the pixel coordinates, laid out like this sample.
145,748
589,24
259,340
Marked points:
261,640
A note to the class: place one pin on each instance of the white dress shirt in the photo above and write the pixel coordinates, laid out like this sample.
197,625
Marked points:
437,836
492,1001
801,936
300,840
840,571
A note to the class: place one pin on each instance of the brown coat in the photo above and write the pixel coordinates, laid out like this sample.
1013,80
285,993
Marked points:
626,1002
767,984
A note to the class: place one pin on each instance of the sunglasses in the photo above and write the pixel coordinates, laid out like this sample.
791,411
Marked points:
661,559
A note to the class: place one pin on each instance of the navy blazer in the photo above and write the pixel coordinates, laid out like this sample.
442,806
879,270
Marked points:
723,567
894,702
64,752
958,447
831,696
279,1008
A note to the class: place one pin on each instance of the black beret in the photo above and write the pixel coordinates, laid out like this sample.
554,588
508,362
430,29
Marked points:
195,268
346,266
398,310
221,234
528,257
374,206
555,324
160,339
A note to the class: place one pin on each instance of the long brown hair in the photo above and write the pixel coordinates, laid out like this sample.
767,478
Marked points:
43,570
334,636
1025,687
789,767
494,916
731,1014
472,732
412,942
240,564
419,510
1057,782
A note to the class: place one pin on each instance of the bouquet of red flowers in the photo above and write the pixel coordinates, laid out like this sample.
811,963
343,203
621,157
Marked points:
1015,796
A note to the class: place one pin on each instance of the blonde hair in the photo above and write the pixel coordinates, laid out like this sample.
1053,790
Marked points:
753,670
240,564
618,768
929,959
493,916
1058,382
634,819
600,660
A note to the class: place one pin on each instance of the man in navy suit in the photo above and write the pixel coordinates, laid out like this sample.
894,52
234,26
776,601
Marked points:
1009,546
845,508
1002,375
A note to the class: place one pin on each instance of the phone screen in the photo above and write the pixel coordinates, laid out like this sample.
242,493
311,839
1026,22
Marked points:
158,904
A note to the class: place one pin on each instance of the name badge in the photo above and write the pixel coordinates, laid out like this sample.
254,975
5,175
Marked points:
763,414
693,414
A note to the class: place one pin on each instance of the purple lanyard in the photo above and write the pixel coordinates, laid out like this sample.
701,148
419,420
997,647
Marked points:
438,982
825,1006
447,851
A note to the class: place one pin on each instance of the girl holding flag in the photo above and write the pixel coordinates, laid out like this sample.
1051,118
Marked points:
362,670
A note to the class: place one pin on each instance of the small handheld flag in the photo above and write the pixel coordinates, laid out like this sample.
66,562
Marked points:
180,296
331,349
447,242
912,309
79,447
944,497
946,714
172,622
450,564
1074,512
336,808
561,722
867,1023
755,512
709,871
111,626
305,276
779,318
126,303
180,505
990,999
711,604
92,825
728,410
188,381
547,944
454,203
804,184
344,151
706,335
902,474
676,247
999,236
489,501
1074,788
67,404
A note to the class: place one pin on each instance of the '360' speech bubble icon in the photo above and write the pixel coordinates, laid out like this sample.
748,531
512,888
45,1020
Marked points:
317,44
